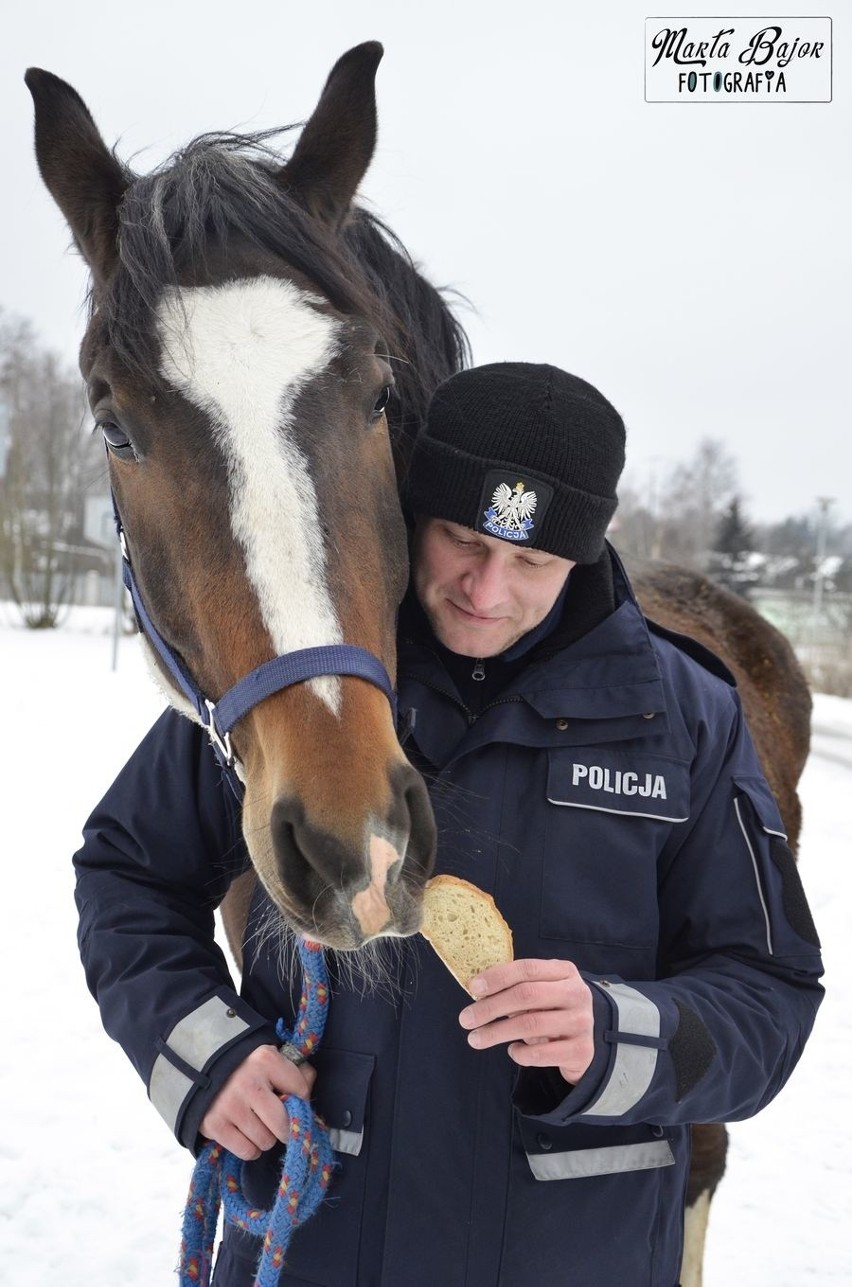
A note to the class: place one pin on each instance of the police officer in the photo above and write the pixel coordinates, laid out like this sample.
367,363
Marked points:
596,776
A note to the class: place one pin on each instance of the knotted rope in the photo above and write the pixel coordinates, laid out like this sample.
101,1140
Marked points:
305,1170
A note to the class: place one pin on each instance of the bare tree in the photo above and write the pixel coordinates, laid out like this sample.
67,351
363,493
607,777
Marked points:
635,526
693,501
48,462
676,517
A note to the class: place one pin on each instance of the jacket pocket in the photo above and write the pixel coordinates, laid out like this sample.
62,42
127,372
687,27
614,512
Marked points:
783,903
624,783
608,815
611,1204
340,1098
582,1152
324,1250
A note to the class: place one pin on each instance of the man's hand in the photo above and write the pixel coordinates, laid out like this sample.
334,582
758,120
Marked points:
247,1115
544,1008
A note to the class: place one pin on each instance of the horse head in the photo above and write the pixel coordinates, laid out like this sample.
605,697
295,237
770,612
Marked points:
239,361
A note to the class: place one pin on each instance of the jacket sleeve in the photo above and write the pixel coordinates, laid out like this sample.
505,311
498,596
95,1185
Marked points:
158,855
717,1034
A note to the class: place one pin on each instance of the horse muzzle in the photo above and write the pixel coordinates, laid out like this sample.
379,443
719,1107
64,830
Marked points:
344,893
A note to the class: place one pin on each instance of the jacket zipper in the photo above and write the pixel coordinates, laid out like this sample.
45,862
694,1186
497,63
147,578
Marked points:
469,714
471,717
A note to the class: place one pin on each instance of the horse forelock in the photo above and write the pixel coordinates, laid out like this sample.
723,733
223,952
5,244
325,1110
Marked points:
216,191
241,352
223,190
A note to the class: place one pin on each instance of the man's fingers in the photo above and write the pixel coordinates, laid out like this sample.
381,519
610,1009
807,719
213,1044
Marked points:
498,977
542,1010
572,1058
255,1123
286,1084
248,1117
531,1026
235,1142
272,1115
559,994
286,1077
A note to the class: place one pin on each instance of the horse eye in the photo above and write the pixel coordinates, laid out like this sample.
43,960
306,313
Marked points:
116,439
382,402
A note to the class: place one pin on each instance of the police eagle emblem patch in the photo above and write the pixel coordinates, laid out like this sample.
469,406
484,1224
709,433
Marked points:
512,506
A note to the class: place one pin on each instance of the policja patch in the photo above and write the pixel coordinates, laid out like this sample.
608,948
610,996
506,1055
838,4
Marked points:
512,506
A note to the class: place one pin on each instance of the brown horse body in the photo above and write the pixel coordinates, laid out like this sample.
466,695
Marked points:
771,683
777,704
228,290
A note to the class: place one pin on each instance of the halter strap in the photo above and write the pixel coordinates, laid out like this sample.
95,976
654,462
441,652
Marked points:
218,718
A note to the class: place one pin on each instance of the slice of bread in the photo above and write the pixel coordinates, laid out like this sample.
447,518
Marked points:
465,928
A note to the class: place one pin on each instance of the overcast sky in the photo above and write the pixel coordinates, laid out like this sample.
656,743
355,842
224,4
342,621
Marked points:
692,260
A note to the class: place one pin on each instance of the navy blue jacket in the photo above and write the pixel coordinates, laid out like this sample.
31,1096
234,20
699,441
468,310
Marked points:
610,799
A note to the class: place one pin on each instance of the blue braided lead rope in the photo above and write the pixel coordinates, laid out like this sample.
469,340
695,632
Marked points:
217,1179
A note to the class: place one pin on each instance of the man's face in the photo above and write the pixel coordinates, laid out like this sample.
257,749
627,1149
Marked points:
482,594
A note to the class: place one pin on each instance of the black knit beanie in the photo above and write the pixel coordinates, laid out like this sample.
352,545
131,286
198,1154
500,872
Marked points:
523,452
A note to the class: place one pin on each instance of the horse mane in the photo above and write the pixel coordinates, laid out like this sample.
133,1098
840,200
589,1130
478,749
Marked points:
223,187
431,344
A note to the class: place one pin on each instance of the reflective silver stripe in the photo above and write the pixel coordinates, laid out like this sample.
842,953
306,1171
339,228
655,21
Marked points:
167,1089
624,813
200,1034
756,876
583,1162
346,1141
195,1039
634,1066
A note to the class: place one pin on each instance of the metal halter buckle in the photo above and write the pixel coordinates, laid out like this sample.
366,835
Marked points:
293,1053
221,743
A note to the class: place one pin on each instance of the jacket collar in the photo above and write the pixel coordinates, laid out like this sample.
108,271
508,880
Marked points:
609,672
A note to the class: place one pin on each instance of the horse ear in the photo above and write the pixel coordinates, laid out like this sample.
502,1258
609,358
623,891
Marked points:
82,175
337,143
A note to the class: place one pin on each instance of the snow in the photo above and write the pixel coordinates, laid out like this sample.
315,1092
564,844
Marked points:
91,1182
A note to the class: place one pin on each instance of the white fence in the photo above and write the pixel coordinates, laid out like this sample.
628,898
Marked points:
821,634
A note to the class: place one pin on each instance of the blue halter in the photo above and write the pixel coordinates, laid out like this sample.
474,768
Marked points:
218,718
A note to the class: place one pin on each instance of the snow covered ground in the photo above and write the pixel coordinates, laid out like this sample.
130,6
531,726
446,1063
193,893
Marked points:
92,1184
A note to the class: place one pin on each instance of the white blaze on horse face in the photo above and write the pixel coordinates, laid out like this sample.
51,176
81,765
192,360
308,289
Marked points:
241,352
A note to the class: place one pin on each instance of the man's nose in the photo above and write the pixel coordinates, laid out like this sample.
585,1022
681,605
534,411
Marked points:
485,585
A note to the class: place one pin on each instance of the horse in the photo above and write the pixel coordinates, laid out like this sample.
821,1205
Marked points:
259,355
251,348
777,703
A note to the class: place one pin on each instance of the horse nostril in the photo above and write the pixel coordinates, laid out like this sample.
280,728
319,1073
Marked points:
419,822
309,858
287,815
287,824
